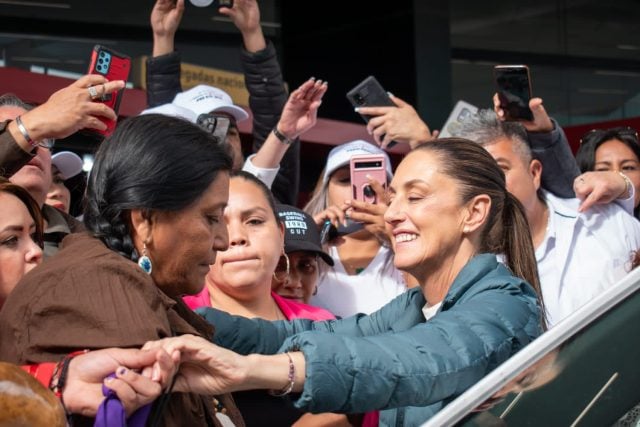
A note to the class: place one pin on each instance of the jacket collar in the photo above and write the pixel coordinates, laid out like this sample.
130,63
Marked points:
478,267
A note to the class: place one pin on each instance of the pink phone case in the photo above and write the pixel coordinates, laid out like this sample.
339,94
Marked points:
361,166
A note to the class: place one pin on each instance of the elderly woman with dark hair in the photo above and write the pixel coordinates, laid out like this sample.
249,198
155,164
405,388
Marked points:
154,208
449,214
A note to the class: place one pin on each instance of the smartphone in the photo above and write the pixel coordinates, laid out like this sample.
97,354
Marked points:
458,115
370,93
216,125
329,231
514,91
361,166
114,66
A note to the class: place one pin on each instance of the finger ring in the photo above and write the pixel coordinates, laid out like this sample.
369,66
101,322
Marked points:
581,179
93,93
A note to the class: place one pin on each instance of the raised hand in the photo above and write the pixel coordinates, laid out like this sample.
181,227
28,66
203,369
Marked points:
245,15
541,121
372,214
165,20
70,109
401,123
301,110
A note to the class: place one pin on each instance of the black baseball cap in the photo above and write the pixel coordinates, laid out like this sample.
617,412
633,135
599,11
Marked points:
300,232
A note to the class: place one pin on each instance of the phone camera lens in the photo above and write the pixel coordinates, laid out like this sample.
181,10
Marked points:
368,191
359,99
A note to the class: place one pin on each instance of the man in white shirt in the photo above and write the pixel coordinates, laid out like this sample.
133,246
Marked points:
579,254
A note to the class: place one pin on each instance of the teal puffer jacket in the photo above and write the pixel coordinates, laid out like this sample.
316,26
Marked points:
394,360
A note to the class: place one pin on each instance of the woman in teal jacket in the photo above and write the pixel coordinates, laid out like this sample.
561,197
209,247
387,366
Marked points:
449,214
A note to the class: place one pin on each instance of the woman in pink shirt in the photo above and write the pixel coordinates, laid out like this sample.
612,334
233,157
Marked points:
240,283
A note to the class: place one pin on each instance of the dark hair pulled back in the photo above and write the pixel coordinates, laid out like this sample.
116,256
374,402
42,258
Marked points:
153,163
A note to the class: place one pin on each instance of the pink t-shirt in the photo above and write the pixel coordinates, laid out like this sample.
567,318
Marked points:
290,308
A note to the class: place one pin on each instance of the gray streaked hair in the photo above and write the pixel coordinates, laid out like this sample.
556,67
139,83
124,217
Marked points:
485,129
11,100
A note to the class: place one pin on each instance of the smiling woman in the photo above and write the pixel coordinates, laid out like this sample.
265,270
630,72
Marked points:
450,214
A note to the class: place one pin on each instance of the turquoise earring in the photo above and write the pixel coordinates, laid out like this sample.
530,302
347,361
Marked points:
144,261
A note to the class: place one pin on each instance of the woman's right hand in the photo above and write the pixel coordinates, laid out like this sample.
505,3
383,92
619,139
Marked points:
205,367
71,109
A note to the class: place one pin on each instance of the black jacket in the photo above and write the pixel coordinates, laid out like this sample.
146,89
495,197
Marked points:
267,97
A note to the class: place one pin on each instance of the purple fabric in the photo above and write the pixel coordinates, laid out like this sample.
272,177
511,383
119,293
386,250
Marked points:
111,412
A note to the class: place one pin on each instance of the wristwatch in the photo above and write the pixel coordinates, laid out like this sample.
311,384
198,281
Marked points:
281,136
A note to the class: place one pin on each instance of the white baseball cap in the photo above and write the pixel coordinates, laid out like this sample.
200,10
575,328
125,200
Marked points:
203,99
68,164
341,155
172,110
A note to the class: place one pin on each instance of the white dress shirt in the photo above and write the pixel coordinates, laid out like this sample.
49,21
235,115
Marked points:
582,254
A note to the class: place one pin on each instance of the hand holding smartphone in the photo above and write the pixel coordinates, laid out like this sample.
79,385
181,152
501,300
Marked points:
370,93
373,165
113,66
514,91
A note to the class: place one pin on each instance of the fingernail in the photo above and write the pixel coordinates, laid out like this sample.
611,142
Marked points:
357,109
369,177
155,376
122,371
313,79
326,83
390,94
108,380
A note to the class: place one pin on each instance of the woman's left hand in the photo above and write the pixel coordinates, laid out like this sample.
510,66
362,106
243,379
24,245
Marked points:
301,110
372,214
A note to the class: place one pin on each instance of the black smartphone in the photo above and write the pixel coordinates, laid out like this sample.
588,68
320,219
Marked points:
370,93
329,231
514,91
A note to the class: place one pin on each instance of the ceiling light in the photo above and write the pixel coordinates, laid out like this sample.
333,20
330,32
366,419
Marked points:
628,47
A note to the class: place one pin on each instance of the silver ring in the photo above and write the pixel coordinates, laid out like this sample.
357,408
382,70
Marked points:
581,180
93,93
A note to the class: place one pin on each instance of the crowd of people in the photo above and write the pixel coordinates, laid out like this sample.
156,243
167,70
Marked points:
192,290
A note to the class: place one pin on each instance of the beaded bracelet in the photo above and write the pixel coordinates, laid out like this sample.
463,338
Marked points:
292,378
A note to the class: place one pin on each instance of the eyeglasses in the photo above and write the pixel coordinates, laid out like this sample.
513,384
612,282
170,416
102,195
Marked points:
216,125
606,134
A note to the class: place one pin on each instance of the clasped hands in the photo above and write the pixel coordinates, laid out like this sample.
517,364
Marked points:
142,375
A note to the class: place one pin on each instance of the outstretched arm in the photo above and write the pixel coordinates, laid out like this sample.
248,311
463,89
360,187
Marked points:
163,68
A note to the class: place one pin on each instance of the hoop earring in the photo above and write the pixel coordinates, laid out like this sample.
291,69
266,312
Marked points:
286,258
144,261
